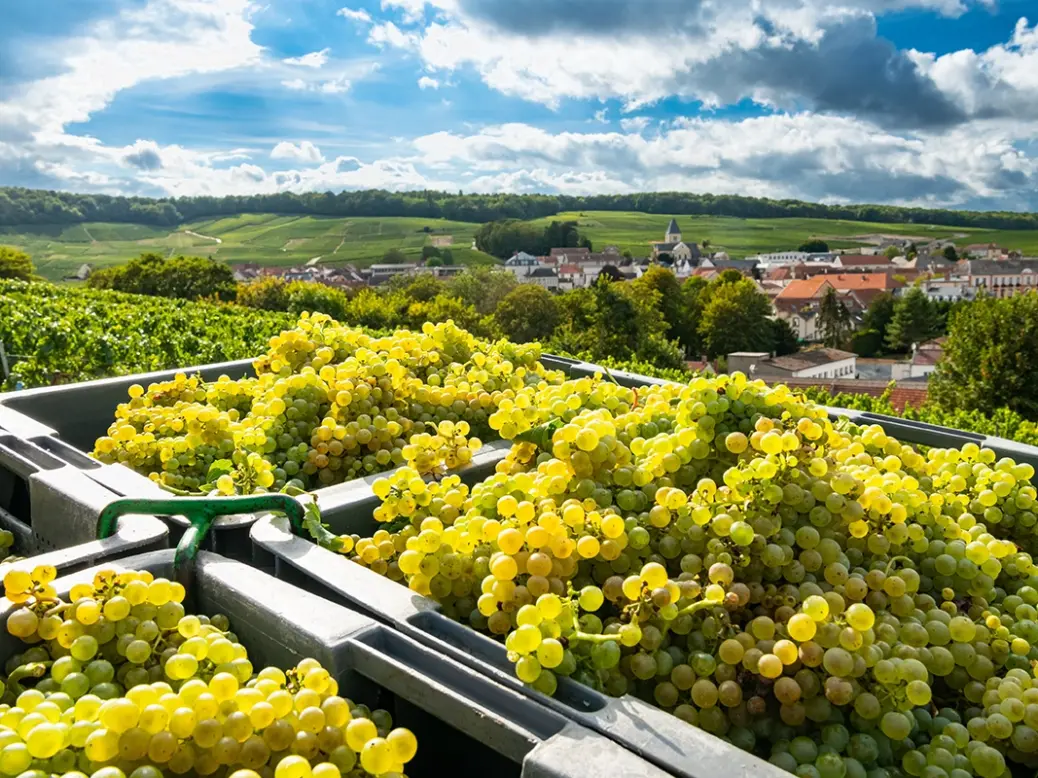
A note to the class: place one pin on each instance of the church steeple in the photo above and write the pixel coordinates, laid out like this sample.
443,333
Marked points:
673,232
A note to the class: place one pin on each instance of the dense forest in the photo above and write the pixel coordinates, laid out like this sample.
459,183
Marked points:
32,206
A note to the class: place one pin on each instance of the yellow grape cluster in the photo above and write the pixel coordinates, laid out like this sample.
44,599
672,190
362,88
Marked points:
119,681
329,403
818,593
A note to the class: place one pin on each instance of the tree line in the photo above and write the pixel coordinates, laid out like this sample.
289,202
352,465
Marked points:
19,206
503,238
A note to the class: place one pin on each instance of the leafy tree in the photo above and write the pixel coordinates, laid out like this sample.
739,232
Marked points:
834,320
371,309
267,294
434,262
447,256
38,207
309,296
991,357
867,343
275,294
950,253
694,297
736,318
784,340
914,320
912,251
444,307
627,254
394,257
729,276
482,287
665,283
191,278
421,286
503,238
891,252
814,246
429,251
15,263
527,313
879,313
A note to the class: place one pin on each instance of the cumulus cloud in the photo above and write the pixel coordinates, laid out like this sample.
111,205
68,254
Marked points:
305,152
355,15
315,59
163,39
388,34
793,55
428,83
635,123
805,156
144,155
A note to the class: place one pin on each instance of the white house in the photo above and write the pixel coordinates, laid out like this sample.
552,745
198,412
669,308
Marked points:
948,289
543,276
817,363
521,264
925,357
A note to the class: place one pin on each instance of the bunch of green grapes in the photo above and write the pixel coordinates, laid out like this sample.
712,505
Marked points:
120,681
329,404
820,594
6,545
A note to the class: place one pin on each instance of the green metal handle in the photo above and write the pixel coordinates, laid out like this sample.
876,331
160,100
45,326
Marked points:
200,512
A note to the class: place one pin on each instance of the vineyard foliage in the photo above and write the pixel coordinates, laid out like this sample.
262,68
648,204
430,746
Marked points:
59,334
54,334
1003,423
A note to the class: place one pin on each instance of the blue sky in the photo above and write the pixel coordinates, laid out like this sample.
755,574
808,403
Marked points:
923,102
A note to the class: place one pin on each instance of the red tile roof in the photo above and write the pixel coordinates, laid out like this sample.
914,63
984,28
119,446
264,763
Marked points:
814,287
863,260
903,395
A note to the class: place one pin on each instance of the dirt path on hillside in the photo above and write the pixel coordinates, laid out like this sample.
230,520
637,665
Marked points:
204,237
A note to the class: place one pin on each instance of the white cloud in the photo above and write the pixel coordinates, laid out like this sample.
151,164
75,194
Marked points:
411,10
791,55
356,15
601,116
315,59
297,84
635,123
804,156
428,83
388,34
305,152
164,39
1001,80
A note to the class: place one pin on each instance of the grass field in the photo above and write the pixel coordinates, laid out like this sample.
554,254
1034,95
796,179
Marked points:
269,239
741,237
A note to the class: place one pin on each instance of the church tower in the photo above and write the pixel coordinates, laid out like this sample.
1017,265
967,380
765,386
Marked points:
673,233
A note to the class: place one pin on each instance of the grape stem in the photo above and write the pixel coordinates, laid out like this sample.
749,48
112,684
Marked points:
891,563
31,670
589,638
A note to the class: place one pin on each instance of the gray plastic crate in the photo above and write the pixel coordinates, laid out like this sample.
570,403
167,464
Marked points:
37,423
52,510
655,735
460,718
644,729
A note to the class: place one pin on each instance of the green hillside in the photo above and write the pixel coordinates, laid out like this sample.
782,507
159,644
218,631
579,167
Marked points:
635,231
267,239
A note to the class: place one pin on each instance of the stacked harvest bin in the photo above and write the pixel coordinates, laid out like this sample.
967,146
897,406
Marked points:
290,598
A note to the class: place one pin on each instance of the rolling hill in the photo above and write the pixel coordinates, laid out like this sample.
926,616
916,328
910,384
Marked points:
271,239
267,239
